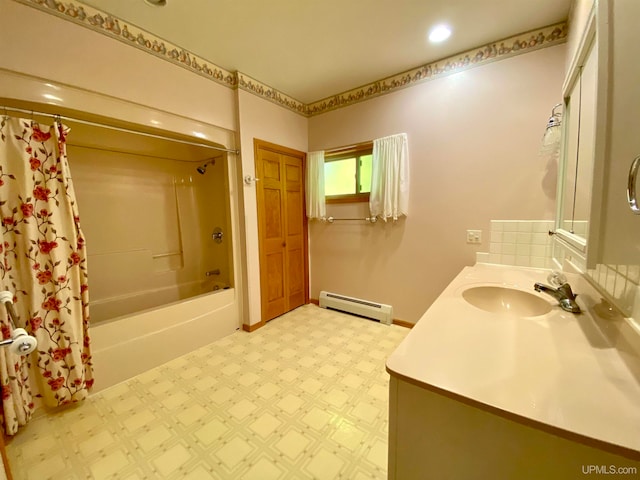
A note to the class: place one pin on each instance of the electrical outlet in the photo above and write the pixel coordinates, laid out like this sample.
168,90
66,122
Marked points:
474,236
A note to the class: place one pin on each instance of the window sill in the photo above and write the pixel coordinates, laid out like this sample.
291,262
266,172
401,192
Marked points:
358,198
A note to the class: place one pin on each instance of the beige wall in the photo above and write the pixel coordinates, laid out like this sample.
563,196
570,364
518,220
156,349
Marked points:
61,51
474,139
263,120
91,63
89,72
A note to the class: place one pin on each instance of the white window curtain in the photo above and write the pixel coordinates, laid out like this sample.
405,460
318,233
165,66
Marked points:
389,196
316,207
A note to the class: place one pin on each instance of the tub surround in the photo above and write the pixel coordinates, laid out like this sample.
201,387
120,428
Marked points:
575,378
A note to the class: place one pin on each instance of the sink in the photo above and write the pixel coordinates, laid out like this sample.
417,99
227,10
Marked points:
505,300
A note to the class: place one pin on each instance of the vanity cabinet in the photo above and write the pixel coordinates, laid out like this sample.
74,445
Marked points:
490,394
434,435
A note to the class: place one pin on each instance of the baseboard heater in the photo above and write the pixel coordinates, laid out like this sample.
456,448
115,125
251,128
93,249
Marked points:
356,306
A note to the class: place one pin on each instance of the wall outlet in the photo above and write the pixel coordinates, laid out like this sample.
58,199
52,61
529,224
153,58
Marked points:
474,236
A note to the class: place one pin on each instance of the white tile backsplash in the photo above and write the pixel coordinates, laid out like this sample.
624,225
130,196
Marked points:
618,283
519,242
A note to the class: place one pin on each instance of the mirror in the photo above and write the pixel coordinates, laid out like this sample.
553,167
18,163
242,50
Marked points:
578,152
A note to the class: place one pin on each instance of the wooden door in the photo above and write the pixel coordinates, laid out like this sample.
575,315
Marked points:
282,229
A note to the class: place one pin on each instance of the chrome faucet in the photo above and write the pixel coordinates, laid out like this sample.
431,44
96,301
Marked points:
566,298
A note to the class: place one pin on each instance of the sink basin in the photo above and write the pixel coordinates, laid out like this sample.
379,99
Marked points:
505,300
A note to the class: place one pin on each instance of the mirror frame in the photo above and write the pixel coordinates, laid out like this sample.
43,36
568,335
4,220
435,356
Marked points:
595,31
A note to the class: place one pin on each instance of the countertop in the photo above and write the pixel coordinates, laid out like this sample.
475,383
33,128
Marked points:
575,373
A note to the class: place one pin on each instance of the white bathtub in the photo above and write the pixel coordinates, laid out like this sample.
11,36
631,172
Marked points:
127,346
122,305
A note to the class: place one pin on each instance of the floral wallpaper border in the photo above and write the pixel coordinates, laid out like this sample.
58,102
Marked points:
245,82
116,28
516,45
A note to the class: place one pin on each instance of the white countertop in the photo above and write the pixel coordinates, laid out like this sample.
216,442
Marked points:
577,373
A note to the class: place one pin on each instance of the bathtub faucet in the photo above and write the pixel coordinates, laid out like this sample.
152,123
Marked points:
565,296
212,272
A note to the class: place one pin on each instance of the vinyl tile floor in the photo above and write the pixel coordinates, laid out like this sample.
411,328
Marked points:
304,397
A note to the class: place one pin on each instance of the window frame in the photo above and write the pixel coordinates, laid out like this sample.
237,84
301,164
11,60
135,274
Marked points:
356,152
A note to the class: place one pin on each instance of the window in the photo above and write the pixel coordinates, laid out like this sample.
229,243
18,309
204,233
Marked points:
347,174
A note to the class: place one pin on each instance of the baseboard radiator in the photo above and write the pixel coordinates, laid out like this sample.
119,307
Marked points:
356,306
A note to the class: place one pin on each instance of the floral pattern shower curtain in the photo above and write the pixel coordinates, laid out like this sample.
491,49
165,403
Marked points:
44,264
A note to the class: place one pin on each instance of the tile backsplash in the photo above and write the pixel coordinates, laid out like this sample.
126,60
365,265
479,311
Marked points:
527,243
619,283
524,243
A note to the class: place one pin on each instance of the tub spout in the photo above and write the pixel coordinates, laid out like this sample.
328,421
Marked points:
563,294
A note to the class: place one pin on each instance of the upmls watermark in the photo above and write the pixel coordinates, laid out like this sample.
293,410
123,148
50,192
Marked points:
608,470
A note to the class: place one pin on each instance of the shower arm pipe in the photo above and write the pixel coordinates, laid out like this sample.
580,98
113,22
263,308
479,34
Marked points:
119,129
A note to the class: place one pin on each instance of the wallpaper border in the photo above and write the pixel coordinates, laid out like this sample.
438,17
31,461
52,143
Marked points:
518,44
132,35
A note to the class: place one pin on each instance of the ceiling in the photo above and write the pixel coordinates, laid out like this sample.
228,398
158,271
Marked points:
312,49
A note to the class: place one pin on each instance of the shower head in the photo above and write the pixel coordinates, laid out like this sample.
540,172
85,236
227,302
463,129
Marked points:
203,168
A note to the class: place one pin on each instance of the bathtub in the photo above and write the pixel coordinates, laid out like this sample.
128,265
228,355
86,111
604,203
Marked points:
122,305
130,345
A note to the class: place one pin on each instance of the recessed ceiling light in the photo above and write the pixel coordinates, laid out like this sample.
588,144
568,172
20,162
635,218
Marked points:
439,33
156,3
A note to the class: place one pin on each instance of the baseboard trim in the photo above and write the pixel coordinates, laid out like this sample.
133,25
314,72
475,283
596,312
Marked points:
252,328
395,321
402,323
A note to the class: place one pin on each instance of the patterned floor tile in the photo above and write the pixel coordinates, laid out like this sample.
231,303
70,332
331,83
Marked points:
304,397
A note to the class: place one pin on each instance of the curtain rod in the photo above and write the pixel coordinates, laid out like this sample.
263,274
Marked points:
350,147
119,129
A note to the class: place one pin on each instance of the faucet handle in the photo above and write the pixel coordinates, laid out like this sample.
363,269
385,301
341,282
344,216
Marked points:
556,278
566,290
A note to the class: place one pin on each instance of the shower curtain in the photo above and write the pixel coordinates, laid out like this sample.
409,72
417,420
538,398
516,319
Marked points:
44,264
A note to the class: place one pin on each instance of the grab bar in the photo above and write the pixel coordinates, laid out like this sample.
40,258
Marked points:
631,186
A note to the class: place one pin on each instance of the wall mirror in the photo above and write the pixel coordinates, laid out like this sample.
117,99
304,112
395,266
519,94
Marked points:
577,154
